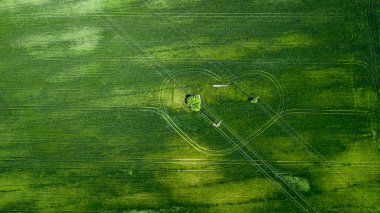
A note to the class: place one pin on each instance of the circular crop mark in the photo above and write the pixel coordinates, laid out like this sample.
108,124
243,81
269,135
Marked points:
227,106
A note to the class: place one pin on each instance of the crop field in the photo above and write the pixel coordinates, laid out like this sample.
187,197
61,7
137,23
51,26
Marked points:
94,114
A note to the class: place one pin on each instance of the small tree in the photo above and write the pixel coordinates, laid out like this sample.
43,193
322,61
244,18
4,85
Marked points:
194,102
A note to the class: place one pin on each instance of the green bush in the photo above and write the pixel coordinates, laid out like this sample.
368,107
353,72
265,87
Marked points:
194,102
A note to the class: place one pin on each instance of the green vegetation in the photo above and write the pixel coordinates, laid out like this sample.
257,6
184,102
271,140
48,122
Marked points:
194,102
93,116
301,184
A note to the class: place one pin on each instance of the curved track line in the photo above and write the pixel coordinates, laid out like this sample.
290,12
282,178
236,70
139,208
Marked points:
270,77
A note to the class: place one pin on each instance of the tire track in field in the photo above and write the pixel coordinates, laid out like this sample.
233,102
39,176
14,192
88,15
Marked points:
160,74
173,125
298,194
307,146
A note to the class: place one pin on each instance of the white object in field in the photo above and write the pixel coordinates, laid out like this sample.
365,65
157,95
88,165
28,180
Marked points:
220,85
217,124
255,100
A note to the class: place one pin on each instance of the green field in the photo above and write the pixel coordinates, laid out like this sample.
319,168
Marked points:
93,115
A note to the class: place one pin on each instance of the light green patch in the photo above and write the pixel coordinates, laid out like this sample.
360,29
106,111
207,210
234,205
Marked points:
167,4
146,199
232,192
364,98
13,187
80,7
118,4
159,4
75,41
224,52
14,5
193,178
296,39
360,151
232,51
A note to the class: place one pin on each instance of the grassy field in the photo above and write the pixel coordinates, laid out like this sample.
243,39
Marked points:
93,117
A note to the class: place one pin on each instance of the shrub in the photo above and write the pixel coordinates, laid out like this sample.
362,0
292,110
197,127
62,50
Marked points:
194,102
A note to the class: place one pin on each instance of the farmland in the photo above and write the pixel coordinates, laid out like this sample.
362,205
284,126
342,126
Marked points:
93,114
